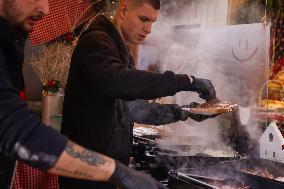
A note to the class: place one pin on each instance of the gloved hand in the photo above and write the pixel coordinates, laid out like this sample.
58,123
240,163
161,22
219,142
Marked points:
204,88
199,117
127,178
195,117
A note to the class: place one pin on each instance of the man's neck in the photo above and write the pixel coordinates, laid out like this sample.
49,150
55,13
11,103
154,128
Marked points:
118,28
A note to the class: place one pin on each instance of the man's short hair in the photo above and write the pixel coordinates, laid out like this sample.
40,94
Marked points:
154,3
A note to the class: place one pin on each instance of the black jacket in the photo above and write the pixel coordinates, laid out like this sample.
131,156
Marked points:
98,112
22,136
101,78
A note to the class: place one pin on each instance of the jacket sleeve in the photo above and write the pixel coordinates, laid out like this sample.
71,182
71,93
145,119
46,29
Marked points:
143,112
102,64
22,135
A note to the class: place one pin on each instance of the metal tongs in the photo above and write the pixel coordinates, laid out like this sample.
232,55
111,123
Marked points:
202,180
226,181
190,180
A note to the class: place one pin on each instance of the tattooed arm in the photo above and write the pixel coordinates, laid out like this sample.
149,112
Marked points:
78,162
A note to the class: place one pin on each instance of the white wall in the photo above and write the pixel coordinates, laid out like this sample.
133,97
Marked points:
214,12
207,13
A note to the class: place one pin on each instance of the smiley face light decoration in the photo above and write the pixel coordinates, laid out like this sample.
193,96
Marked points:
245,45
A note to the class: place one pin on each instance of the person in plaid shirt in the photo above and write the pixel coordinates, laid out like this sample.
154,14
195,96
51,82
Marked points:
23,136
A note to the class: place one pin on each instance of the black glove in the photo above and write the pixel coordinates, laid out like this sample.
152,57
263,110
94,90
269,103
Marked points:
184,114
127,178
199,117
196,117
204,88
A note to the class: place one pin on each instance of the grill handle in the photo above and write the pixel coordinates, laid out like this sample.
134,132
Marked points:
190,180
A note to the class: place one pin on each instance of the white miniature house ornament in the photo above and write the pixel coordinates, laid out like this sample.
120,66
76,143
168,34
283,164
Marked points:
272,143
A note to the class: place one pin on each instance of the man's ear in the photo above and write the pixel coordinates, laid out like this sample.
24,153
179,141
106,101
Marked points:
123,8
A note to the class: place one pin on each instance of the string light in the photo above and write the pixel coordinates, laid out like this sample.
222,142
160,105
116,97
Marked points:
108,7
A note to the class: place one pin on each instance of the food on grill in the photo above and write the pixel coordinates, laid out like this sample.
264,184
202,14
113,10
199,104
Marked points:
232,185
143,131
229,187
194,146
220,153
212,108
264,173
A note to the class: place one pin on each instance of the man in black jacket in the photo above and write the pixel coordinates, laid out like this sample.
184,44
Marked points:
22,135
101,103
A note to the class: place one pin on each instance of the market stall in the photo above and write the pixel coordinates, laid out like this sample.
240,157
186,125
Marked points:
244,61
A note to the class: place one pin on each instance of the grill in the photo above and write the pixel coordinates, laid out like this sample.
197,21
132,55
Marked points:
200,171
234,174
147,153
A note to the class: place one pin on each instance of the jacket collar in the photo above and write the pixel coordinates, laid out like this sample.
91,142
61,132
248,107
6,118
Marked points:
12,41
102,23
7,36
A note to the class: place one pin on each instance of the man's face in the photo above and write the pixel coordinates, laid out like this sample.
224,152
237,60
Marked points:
24,13
137,23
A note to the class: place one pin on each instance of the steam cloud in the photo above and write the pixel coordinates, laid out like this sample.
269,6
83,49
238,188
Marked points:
178,44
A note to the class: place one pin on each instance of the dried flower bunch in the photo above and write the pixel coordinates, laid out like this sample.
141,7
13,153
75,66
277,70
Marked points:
52,65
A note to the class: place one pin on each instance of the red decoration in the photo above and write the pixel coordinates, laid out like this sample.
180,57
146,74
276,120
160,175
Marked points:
23,95
69,37
51,84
